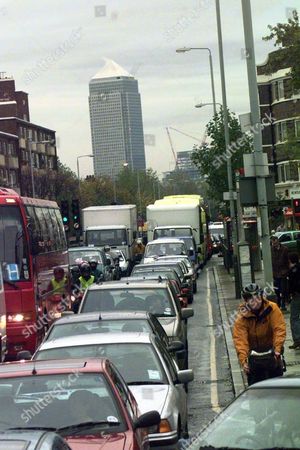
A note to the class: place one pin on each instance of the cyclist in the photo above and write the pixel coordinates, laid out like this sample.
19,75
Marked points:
259,327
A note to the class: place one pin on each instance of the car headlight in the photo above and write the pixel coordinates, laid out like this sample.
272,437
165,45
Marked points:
164,426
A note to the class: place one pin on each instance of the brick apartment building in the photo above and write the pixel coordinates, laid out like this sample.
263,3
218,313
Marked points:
281,140
18,139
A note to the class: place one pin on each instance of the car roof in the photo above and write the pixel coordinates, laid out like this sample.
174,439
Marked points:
51,367
125,284
109,315
166,240
280,382
97,338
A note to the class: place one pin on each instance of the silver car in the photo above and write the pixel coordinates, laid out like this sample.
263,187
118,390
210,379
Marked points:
148,369
154,296
163,247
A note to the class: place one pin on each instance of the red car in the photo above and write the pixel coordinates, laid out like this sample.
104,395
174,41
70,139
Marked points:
85,401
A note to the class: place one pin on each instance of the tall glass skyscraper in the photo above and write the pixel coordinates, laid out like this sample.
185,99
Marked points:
116,121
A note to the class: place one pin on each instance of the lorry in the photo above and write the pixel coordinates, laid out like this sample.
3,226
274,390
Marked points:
179,216
114,226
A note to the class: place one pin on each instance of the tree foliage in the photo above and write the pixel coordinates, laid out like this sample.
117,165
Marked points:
287,38
211,158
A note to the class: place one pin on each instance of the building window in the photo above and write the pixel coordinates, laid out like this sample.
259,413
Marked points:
297,128
277,90
281,131
291,171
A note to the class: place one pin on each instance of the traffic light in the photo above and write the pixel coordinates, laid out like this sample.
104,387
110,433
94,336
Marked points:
296,206
76,214
64,208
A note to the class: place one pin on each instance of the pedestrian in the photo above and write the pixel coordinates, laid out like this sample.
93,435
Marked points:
259,327
294,289
280,264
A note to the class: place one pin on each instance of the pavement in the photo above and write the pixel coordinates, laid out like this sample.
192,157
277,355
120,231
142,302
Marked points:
228,307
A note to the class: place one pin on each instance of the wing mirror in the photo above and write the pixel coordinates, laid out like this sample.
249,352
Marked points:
147,420
186,313
175,346
185,376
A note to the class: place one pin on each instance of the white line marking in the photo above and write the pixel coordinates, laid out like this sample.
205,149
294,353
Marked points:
214,398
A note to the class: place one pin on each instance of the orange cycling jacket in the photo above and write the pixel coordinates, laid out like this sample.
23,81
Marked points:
258,332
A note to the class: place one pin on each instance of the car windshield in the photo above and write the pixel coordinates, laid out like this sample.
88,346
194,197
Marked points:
85,255
135,362
13,245
160,265
106,237
170,274
158,301
161,249
57,401
98,326
258,419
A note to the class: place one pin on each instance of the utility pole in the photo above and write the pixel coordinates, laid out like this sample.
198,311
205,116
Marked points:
257,142
228,158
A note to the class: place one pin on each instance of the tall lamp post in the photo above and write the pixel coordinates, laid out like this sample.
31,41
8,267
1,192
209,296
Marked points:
201,105
227,143
187,49
78,175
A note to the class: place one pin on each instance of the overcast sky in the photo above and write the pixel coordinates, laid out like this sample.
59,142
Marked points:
54,47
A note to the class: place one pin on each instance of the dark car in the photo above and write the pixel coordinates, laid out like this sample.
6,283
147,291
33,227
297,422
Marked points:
264,416
32,440
80,254
86,401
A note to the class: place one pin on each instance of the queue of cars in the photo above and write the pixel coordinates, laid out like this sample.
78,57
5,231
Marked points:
115,375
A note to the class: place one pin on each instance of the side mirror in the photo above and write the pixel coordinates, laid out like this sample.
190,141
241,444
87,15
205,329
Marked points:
186,276
185,376
147,420
186,313
24,354
175,346
191,252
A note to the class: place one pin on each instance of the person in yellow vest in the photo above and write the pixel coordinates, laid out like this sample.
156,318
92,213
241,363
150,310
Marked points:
86,279
58,291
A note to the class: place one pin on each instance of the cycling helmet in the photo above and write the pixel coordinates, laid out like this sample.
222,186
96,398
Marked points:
251,289
58,270
85,269
93,263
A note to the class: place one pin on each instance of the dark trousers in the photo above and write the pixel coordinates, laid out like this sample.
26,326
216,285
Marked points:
295,318
263,374
281,291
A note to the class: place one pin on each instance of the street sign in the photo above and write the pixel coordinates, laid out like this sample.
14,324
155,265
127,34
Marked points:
249,165
248,190
295,192
226,196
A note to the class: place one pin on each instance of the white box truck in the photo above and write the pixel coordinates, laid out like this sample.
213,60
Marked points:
114,226
185,215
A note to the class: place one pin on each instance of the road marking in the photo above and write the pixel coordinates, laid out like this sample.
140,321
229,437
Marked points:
214,398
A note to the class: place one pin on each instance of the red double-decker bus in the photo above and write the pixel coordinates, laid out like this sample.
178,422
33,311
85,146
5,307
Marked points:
32,243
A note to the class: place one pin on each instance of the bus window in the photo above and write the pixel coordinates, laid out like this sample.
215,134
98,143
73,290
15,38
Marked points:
43,237
55,235
13,245
50,243
34,231
60,230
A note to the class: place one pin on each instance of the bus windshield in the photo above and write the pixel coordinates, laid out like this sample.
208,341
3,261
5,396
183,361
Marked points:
106,237
13,245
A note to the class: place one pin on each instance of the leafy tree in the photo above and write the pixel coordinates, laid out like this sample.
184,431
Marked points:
287,38
178,182
211,158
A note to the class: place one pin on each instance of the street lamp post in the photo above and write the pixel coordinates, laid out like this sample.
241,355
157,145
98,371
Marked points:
187,49
227,143
201,105
78,175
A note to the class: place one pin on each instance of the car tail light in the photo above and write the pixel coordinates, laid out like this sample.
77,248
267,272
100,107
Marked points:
164,426
185,291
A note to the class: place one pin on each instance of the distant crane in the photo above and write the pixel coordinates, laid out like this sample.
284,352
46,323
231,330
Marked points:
202,141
